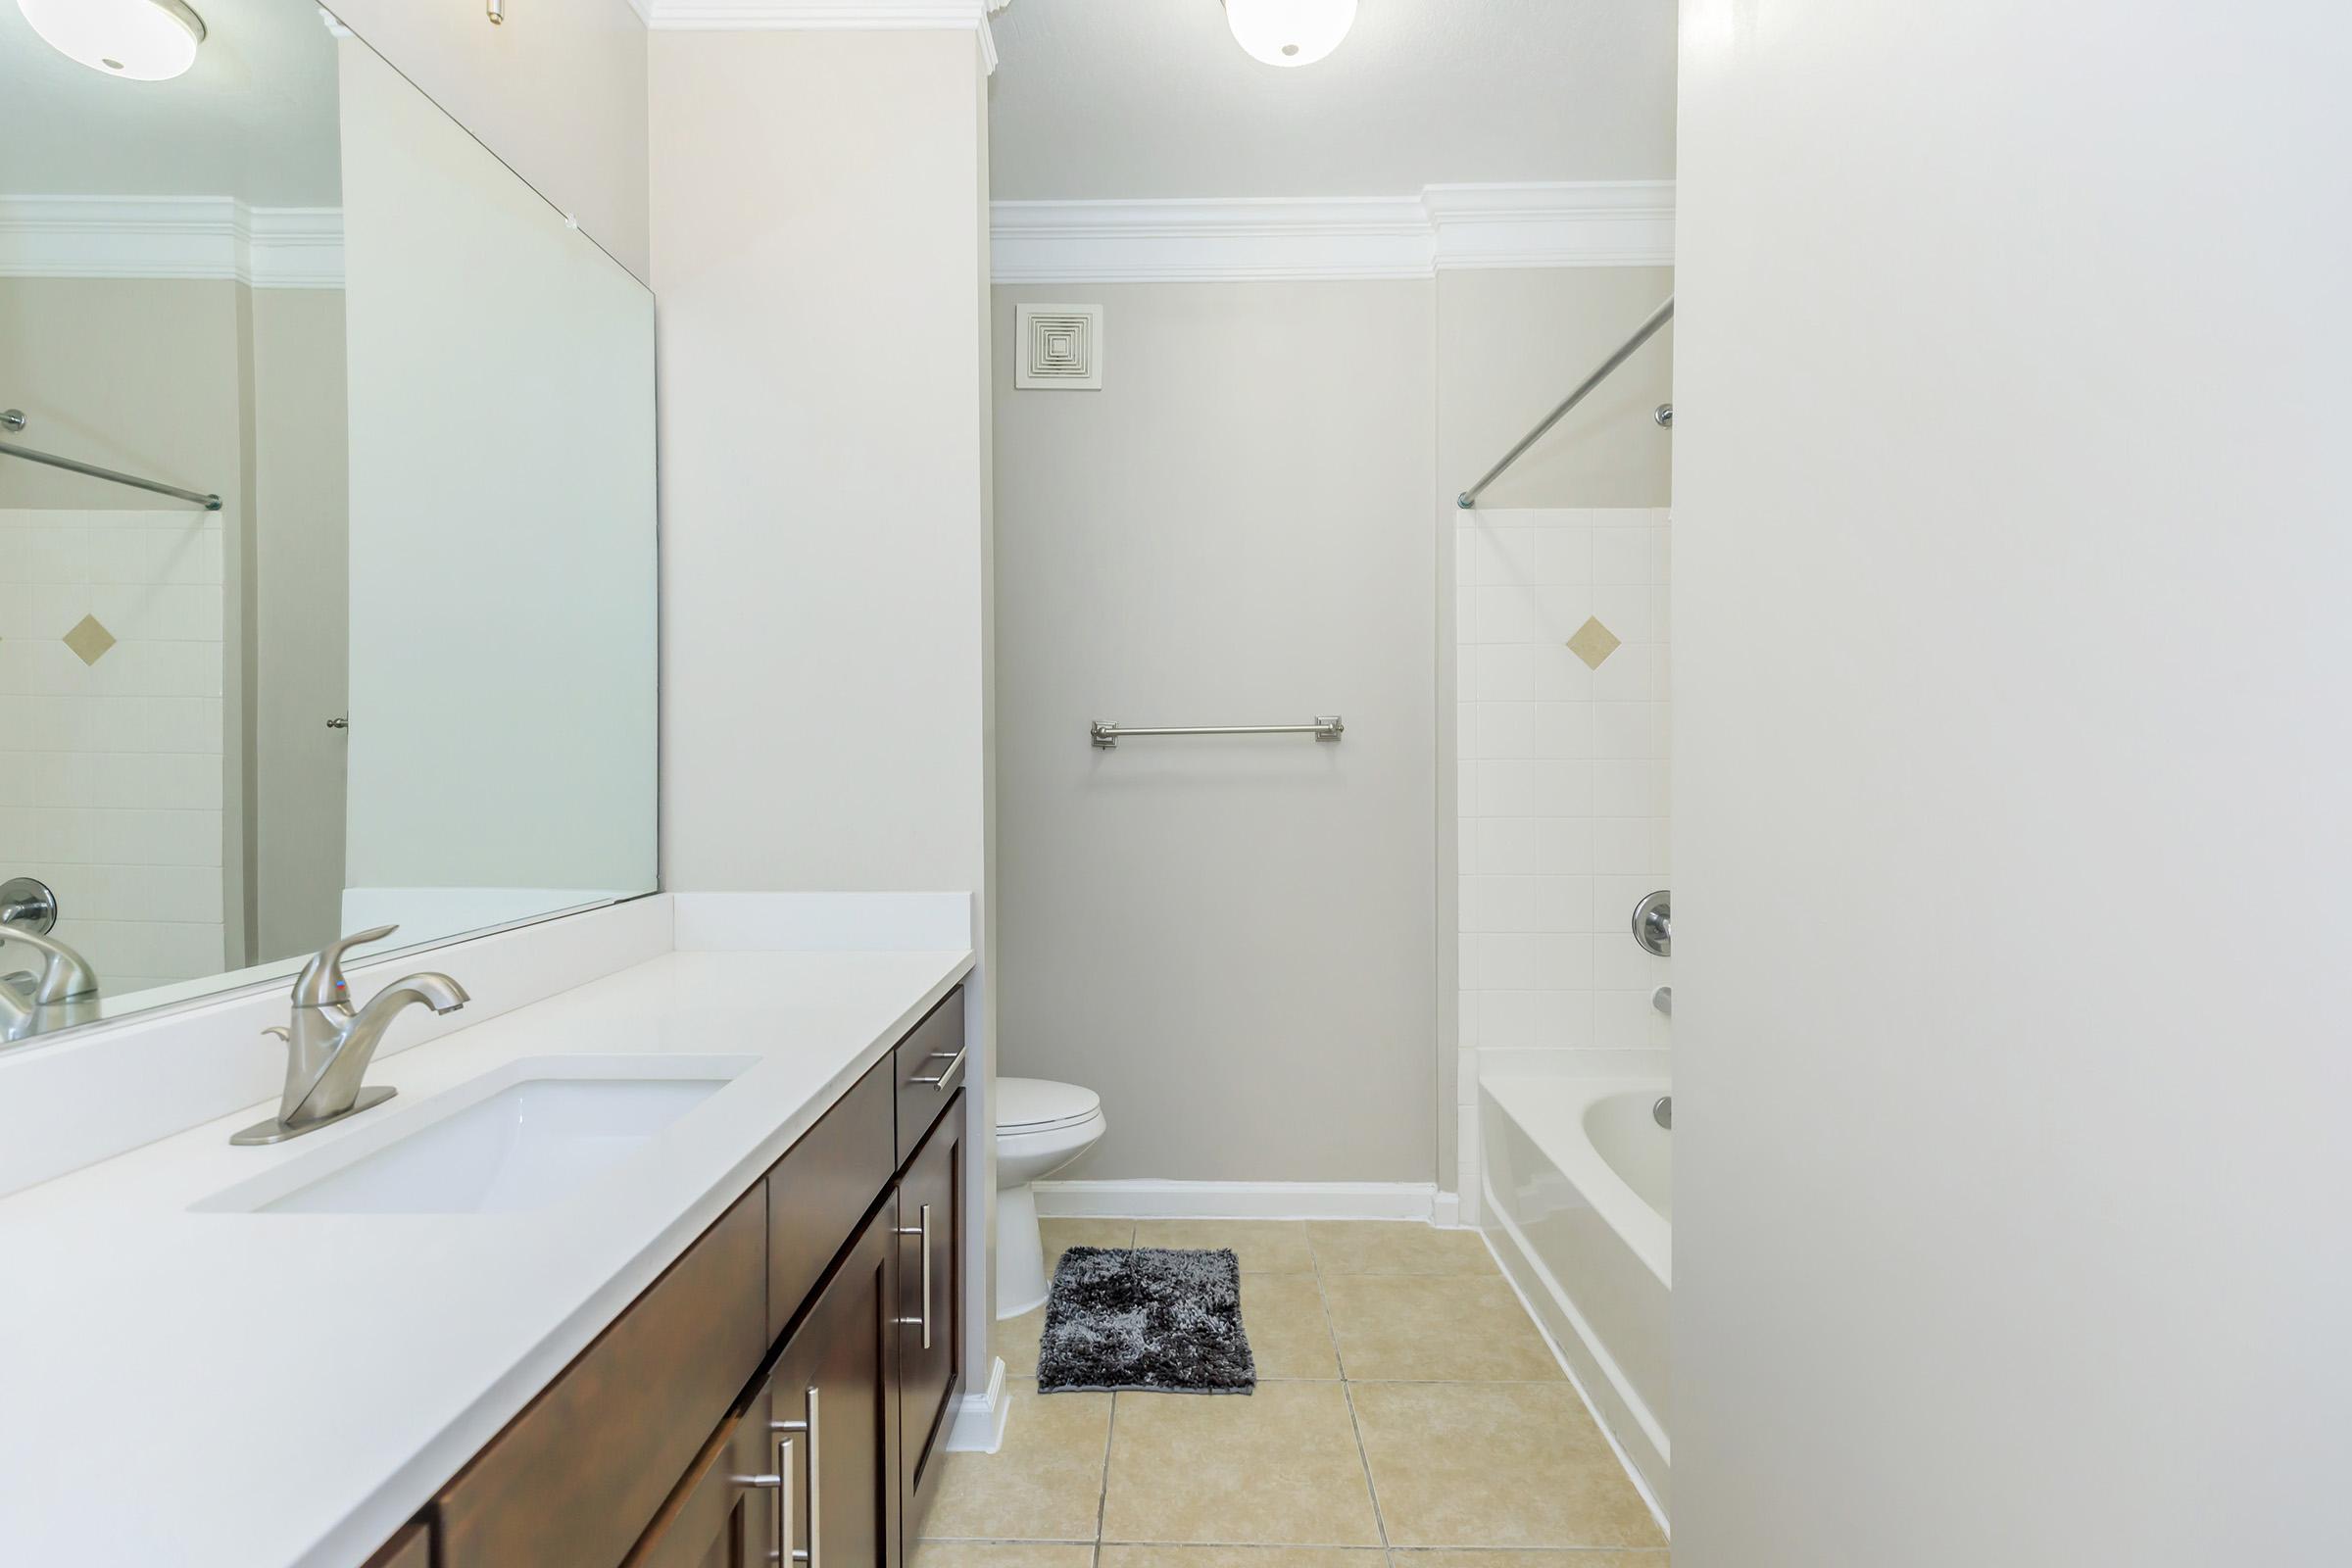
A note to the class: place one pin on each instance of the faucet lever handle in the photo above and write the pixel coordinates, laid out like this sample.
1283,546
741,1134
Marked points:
321,983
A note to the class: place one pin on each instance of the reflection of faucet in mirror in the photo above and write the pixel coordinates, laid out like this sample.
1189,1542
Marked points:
328,1046
64,993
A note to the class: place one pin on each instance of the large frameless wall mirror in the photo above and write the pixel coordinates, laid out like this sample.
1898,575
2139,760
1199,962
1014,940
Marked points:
326,515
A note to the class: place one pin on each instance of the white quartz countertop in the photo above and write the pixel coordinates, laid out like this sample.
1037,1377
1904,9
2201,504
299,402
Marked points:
282,1391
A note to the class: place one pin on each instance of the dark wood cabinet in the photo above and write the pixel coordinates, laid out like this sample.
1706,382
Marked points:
785,1388
831,1412
573,1479
930,1070
930,1323
715,1517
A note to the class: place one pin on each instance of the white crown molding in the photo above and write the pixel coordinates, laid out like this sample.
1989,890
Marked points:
827,15
1583,223
170,237
1627,222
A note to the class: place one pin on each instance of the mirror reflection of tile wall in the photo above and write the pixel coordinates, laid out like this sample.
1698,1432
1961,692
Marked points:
405,672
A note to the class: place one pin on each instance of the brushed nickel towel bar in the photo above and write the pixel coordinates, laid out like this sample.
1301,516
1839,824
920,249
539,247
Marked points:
1665,416
1326,727
13,421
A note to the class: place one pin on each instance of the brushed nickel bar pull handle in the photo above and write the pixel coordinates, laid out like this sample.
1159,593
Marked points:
1326,727
785,1552
939,1080
924,1230
817,1499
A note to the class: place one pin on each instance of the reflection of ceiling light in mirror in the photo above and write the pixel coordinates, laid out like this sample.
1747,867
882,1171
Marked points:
145,40
1289,33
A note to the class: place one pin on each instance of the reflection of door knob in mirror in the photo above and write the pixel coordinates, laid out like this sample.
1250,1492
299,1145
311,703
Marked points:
1654,925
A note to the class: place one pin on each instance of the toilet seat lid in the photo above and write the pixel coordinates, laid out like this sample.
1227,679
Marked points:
1026,1104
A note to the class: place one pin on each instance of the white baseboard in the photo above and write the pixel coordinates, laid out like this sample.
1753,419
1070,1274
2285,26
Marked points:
1447,1212
1165,1199
979,1424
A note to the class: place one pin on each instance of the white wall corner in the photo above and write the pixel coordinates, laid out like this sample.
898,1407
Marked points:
979,1424
1566,223
826,16
1447,1212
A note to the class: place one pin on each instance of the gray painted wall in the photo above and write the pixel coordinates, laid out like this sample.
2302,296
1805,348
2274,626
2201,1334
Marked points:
1247,946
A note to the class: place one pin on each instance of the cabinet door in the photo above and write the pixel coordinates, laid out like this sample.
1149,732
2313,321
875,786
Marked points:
930,1325
714,1518
832,1415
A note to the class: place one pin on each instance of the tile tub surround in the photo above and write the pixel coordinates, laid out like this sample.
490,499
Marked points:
1370,1335
462,1318
1561,623
110,691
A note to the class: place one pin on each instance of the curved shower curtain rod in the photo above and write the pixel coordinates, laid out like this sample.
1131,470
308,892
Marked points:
1642,334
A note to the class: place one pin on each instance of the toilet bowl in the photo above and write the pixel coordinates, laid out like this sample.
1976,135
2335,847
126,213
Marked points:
1041,1127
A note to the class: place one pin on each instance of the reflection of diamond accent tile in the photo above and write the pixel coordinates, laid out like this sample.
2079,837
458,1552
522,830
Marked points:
1592,642
89,640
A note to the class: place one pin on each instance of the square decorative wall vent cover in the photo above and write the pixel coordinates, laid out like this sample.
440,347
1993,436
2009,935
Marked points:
1062,348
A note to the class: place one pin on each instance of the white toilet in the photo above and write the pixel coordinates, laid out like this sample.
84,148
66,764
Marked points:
1041,1127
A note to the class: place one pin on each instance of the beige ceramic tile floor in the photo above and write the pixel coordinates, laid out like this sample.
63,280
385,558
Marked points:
1405,1405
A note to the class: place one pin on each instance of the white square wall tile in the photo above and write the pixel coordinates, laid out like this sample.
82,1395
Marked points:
1507,674
1624,787
1621,555
1526,904
1620,964
1535,961
1527,846
1503,730
1625,675
1628,846
1621,1019
1535,787
1537,1018
1632,731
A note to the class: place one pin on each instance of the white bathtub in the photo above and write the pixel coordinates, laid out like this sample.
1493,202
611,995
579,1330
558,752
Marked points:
1579,1200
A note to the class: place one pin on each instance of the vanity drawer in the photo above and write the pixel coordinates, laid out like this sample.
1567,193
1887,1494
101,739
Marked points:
821,1188
932,1051
572,1480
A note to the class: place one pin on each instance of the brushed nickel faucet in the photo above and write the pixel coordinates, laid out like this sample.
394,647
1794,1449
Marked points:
328,1046
65,993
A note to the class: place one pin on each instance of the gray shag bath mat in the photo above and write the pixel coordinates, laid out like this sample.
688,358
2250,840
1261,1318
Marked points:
1145,1317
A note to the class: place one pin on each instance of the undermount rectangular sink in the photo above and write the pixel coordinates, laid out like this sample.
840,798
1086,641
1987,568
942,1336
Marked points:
521,1138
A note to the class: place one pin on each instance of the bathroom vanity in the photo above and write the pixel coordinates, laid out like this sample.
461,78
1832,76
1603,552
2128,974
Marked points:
395,1341
782,1387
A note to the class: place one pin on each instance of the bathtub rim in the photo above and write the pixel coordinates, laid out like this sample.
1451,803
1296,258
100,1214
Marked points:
1560,1100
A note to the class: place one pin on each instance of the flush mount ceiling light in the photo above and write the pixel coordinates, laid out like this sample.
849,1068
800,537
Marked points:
1289,33
145,40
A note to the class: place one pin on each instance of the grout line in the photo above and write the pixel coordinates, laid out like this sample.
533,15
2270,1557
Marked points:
1380,1521
1110,1432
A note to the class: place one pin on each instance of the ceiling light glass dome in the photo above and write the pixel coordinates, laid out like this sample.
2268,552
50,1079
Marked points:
144,40
1289,33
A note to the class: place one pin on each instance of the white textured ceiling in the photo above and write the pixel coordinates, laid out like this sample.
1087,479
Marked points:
1100,99
254,118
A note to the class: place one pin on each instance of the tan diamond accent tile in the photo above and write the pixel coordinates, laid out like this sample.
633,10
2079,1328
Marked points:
89,640
1592,642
